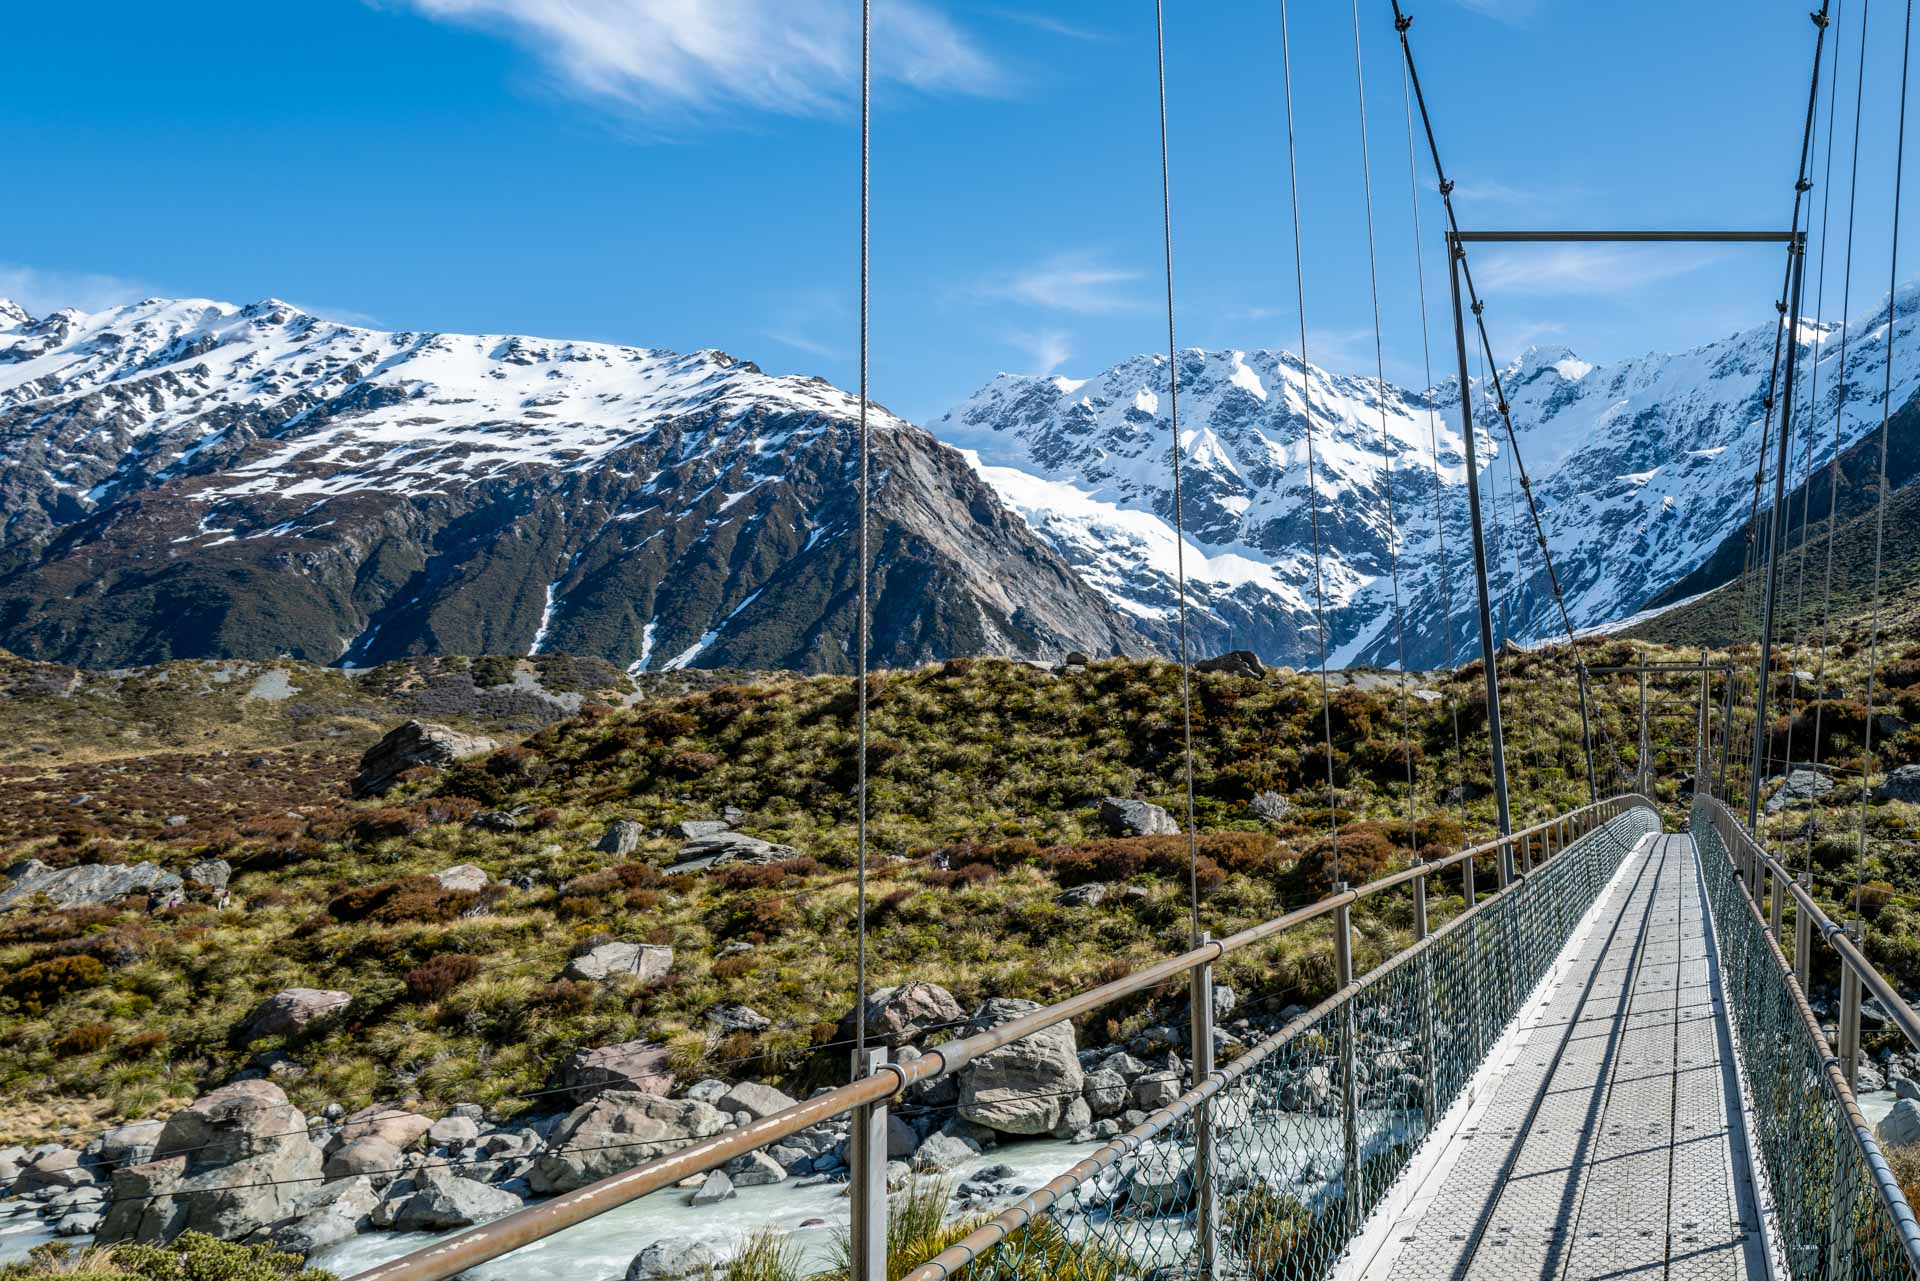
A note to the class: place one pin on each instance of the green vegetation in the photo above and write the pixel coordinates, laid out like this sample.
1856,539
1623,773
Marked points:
985,775
193,1257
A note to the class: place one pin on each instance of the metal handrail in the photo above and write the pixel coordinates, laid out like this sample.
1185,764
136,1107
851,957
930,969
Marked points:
1760,865
1837,1073
479,1244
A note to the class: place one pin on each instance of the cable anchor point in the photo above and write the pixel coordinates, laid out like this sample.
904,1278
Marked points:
1402,22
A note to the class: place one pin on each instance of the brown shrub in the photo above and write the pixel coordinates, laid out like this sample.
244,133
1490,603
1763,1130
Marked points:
663,725
387,822
88,1038
566,996
733,967
51,981
141,1044
692,764
51,927
439,975
941,878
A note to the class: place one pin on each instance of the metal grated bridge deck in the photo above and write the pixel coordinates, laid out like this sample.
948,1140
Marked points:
1609,1139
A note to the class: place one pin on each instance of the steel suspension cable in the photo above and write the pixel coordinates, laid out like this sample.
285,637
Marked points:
1179,528
1402,22
1386,451
1306,402
1886,418
1839,412
1433,441
1813,377
862,623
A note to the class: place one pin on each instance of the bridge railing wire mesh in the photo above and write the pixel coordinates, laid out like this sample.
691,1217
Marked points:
1838,1209
1310,1128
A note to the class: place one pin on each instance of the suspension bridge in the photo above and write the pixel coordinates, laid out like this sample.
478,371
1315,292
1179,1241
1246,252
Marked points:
1603,1063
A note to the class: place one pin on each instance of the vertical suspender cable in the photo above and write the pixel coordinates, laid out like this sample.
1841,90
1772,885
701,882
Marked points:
1433,442
1839,413
1179,528
1306,401
1886,416
1789,334
862,624
1386,450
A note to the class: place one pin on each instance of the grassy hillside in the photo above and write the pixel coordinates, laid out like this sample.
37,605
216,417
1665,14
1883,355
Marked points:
985,774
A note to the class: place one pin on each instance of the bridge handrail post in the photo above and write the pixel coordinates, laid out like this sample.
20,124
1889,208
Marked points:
1200,1031
867,1190
1850,1013
1349,1077
1803,937
1777,904
1429,1051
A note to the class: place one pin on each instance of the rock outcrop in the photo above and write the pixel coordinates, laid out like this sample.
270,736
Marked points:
636,1067
411,746
1122,817
1022,1088
616,1131
293,1012
88,884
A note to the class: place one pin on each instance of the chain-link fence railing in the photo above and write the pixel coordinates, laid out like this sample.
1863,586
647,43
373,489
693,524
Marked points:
1267,1170
1838,1211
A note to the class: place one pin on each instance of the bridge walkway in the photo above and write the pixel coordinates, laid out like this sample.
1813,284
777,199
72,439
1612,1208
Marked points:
1608,1140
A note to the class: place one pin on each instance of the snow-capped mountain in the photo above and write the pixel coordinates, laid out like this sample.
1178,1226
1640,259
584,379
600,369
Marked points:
185,478
1639,468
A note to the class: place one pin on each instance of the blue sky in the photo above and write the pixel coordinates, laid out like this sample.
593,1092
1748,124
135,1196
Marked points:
682,174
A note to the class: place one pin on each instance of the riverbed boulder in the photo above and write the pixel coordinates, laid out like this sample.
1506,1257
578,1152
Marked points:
1900,1126
670,1260
638,1067
129,1144
621,960
327,1216
442,1199
386,1121
897,1016
294,1011
87,884
1022,1088
229,1164
1106,1092
412,746
369,1155
1122,817
756,1099
617,1130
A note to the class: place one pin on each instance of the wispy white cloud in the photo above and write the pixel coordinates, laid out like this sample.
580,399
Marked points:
1588,270
800,342
700,57
1046,350
343,315
1080,281
1048,23
42,291
1502,10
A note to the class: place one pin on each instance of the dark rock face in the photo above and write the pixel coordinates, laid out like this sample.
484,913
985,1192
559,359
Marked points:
417,743
641,1067
86,883
196,480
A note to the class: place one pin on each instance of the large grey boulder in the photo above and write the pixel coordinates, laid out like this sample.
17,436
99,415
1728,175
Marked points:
293,1012
1122,817
415,744
694,829
942,1152
1106,1092
670,1260
211,874
616,1131
755,1170
1803,787
622,838
715,1188
621,960
129,1144
738,1018
232,1163
897,1016
88,884
1235,662
724,848
1901,785
442,1199
367,1155
758,1100
1022,1088
60,1168
337,1210
462,876
386,1121
638,1067
1900,1126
